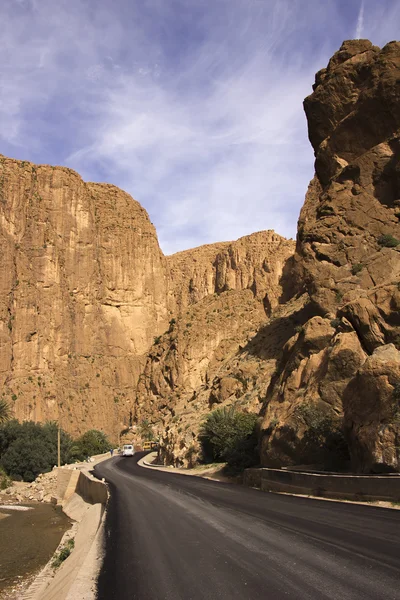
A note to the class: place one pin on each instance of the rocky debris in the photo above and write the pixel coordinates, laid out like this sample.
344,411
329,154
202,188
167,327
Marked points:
43,489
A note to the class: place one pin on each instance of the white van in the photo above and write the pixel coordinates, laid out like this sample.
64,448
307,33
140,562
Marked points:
128,450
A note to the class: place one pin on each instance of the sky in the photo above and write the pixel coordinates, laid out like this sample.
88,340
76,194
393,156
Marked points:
194,107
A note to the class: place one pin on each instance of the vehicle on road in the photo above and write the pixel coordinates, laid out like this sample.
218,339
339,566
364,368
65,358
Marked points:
128,450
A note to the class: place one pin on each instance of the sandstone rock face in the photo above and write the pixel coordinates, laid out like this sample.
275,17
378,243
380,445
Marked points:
82,294
347,260
254,262
372,411
85,290
208,356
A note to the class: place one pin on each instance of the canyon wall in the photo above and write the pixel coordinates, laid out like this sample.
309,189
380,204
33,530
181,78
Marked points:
344,362
82,294
99,329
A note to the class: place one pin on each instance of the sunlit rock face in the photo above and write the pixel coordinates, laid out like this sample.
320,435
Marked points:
85,290
82,294
347,261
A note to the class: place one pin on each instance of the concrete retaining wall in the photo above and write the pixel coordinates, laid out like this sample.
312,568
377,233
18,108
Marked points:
90,489
70,481
356,487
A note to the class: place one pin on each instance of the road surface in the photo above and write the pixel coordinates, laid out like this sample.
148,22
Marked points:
175,537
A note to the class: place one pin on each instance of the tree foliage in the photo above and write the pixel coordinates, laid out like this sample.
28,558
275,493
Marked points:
28,448
88,444
5,412
323,440
230,435
145,430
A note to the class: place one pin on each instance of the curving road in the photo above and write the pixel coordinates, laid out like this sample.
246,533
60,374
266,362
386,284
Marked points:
175,537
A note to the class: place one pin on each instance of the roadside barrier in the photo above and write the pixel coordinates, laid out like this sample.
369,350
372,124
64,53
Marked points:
352,487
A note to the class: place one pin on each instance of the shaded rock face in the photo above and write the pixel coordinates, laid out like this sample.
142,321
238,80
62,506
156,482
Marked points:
208,357
347,260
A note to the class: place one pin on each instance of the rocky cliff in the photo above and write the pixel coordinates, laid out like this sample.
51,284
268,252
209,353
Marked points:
343,363
231,290
85,291
82,294
99,329
321,364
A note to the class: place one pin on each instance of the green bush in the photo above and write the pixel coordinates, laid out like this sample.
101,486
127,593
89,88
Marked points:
323,440
63,554
145,430
5,411
229,435
336,322
88,444
388,241
5,480
356,268
27,449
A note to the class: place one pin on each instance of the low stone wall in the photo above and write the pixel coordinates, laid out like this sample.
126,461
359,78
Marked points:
355,487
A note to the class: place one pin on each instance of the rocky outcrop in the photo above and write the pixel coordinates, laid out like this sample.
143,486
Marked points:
208,357
347,260
254,262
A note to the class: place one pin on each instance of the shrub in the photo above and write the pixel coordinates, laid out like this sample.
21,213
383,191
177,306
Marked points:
145,430
356,268
229,435
339,296
5,480
27,449
90,443
5,411
335,323
157,340
63,554
388,241
326,211
323,440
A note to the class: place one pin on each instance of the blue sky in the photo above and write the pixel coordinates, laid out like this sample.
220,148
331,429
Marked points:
192,106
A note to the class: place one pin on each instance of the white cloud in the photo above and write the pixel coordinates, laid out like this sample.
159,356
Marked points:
194,108
360,22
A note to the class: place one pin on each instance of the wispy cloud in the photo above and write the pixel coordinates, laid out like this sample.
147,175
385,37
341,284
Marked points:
360,22
195,108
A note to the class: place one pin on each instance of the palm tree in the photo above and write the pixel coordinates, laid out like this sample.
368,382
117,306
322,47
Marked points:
146,430
5,412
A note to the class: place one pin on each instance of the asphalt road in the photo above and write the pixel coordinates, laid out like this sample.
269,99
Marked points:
175,537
